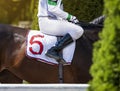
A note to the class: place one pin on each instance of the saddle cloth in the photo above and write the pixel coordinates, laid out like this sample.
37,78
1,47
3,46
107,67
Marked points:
38,44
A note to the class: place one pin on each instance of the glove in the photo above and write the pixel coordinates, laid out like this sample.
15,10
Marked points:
73,19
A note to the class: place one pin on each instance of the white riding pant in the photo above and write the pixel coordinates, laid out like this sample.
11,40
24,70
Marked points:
59,28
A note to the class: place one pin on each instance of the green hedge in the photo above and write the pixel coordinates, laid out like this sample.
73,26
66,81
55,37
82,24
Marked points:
106,60
85,10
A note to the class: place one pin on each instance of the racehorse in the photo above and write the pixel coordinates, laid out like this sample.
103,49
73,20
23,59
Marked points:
14,62
9,78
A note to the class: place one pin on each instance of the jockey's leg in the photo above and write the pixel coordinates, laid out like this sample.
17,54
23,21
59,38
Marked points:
69,31
54,51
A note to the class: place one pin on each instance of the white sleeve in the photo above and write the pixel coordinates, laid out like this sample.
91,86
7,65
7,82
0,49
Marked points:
54,8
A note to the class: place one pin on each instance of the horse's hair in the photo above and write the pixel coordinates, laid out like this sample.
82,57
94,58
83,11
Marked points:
5,38
6,35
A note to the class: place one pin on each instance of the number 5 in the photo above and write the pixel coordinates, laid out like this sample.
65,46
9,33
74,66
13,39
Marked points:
32,41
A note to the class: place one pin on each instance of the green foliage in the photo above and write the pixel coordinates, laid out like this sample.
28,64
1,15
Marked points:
5,8
85,10
34,8
106,57
23,12
14,11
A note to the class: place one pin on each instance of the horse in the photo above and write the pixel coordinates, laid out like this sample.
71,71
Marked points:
9,78
16,65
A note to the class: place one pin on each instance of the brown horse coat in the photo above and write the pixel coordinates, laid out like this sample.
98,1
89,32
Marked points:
13,58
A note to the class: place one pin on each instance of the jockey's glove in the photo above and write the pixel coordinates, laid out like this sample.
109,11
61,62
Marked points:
73,19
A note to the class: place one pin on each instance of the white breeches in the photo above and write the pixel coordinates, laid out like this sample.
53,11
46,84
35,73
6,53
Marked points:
60,28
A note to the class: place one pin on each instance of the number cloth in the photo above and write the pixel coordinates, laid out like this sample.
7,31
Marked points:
38,44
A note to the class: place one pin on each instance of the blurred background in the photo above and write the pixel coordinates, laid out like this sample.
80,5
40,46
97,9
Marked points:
23,13
16,12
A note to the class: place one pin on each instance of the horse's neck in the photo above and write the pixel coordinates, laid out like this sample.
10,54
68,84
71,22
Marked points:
84,43
14,44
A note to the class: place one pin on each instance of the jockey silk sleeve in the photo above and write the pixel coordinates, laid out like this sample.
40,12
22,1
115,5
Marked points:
54,6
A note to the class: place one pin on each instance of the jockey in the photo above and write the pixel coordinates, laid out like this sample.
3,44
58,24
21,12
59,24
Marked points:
54,21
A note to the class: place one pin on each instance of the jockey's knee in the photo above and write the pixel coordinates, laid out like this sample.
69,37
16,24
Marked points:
77,33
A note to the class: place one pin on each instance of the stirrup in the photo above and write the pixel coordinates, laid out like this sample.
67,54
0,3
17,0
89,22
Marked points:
62,61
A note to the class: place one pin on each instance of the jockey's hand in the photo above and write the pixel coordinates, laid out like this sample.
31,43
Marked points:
74,19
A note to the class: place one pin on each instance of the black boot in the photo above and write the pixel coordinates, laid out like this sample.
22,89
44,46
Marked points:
54,51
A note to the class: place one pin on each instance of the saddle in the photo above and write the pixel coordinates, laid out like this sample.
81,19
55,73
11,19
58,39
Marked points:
38,44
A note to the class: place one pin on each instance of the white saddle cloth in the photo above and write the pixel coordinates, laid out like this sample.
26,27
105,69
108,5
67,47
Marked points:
38,44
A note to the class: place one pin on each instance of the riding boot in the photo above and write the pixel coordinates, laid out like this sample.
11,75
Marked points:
55,50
